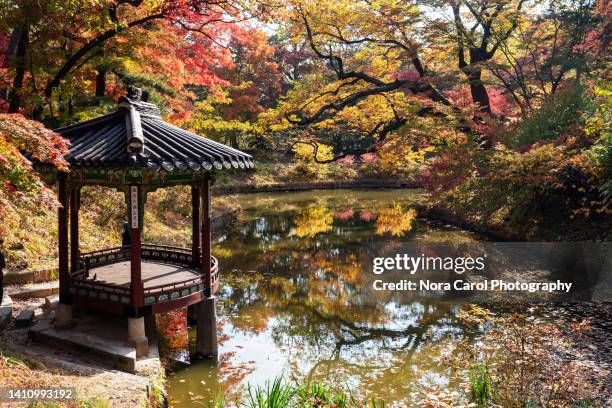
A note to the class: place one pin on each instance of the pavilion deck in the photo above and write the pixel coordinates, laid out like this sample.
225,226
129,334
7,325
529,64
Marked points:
169,278
153,274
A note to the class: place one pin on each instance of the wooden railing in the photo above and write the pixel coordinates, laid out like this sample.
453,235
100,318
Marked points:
167,254
81,285
94,259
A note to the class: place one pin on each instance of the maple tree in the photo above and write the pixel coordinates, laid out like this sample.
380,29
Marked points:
21,188
66,47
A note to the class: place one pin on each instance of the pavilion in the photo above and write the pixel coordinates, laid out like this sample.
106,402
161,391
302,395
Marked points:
134,151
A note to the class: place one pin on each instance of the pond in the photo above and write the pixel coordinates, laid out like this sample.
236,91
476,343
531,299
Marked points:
294,300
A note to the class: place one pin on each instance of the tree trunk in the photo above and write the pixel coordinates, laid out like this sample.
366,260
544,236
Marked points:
22,47
101,82
11,49
479,92
82,52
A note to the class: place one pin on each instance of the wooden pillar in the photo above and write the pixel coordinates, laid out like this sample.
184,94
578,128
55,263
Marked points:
136,286
195,226
62,237
206,239
206,328
75,203
64,308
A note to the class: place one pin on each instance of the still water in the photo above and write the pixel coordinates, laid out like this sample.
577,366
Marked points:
295,301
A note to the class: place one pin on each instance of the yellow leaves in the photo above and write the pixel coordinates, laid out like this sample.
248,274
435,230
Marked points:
395,221
313,221
309,151
397,156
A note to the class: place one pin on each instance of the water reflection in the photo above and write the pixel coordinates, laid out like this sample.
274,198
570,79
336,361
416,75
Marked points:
294,299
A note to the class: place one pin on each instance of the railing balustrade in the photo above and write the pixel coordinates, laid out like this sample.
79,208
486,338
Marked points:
80,284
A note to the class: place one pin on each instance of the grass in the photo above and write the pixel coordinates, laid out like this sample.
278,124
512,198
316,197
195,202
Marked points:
481,385
276,394
282,394
94,402
315,395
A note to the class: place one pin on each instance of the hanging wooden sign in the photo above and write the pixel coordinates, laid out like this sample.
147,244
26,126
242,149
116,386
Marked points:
208,200
134,205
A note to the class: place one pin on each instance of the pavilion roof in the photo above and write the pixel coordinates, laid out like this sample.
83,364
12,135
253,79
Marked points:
136,136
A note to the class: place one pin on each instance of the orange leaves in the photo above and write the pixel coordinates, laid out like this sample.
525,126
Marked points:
21,188
172,327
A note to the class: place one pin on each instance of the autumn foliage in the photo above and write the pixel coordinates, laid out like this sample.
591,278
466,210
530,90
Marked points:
21,188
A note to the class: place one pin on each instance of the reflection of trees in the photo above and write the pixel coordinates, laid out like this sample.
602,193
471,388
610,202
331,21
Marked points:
395,220
335,326
380,357
312,221
310,292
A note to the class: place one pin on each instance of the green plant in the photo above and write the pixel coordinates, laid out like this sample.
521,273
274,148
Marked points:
481,386
277,394
585,404
319,395
554,117
94,402
377,403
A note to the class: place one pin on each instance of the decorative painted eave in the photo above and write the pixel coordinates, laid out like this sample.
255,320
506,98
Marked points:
136,136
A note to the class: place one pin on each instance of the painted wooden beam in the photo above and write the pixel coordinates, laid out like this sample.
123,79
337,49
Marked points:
195,226
136,286
206,238
75,198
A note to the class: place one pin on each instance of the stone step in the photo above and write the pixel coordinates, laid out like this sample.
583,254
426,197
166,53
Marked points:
35,291
6,312
25,318
96,341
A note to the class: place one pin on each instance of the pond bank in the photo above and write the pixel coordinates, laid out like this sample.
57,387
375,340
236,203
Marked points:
305,186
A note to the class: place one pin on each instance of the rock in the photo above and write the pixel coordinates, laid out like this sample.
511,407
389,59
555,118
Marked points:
51,302
25,318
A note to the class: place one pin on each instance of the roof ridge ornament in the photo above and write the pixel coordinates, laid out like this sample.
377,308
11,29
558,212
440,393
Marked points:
139,99
135,137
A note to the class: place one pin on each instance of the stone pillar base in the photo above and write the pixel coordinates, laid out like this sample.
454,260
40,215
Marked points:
137,337
206,328
64,318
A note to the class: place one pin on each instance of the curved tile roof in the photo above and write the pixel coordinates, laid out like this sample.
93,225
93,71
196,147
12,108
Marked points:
136,136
